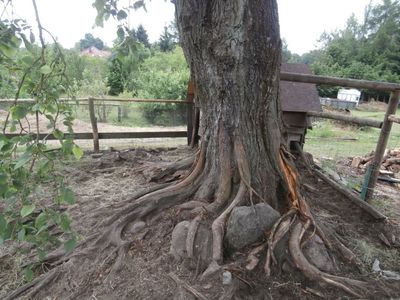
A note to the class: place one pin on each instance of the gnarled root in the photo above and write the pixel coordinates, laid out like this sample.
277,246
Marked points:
148,202
233,169
350,286
299,227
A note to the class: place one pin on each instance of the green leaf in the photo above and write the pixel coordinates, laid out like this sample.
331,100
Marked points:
3,223
28,45
22,160
21,234
18,112
27,210
41,254
121,33
121,15
41,220
28,60
3,178
70,245
77,151
58,134
67,196
65,223
45,69
3,189
28,274
8,50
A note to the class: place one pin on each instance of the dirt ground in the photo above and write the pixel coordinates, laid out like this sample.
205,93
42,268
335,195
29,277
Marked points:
102,183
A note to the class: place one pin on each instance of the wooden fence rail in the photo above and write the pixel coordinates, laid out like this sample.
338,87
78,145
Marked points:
345,118
112,135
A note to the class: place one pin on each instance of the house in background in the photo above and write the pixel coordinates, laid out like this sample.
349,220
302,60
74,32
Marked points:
94,52
297,99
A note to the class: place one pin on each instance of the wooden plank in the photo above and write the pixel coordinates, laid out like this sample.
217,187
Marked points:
394,119
143,100
382,143
351,196
344,82
139,100
112,135
345,118
93,121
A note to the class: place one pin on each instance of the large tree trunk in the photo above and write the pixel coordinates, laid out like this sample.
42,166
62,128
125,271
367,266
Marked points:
234,52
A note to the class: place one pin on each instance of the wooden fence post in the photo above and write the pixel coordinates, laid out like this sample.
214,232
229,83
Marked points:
382,143
93,120
119,113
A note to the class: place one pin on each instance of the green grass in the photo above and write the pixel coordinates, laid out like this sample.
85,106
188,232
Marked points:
333,139
135,117
367,253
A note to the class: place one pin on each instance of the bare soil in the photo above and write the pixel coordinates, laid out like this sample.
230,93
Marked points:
103,183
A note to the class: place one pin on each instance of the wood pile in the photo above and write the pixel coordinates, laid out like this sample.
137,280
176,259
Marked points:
390,165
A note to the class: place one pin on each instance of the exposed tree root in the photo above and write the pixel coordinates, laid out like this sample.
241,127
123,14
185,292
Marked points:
191,235
182,164
298,230
297,222
36,285
350,286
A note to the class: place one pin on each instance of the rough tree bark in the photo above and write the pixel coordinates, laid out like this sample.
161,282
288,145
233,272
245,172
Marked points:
234,52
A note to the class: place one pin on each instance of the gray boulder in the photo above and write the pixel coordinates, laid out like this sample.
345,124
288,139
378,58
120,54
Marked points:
178,240
247,224
316,253
202,247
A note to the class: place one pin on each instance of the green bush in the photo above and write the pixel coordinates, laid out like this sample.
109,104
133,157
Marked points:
163,76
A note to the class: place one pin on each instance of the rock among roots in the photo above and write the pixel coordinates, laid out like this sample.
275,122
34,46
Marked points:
202,248
247,224
316,252
178,240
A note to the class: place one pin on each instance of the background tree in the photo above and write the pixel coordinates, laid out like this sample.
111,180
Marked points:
89,40
168,38
142,37
367,50
114,78
164,75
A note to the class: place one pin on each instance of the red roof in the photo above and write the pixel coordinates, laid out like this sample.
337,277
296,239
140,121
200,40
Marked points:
94,52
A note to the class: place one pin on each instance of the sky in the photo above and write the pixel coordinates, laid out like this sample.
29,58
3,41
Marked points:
301,22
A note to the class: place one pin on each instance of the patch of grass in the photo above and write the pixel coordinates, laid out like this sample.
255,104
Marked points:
330,138
385,205
367,253
135,116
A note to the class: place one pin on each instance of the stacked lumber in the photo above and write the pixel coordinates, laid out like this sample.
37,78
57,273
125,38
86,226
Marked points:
390,164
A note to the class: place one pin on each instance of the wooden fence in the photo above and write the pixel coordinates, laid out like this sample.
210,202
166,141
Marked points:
193,115
95,135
